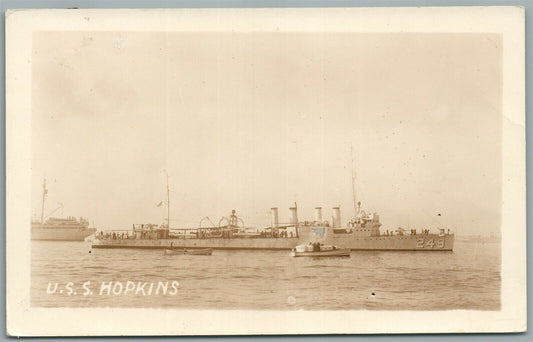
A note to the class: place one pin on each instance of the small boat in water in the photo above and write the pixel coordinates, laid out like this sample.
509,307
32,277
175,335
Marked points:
319,250
204,251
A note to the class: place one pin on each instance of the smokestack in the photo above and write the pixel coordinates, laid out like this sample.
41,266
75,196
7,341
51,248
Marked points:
318,214
294,215
336,217
274,215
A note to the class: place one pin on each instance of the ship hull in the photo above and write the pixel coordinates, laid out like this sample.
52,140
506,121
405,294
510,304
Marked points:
430,242
61,234
236,243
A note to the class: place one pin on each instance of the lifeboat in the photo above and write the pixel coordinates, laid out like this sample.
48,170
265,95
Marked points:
205,251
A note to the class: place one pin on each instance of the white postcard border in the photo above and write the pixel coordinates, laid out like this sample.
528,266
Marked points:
23,320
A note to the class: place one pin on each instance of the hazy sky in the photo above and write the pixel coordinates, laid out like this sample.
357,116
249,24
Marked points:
249,121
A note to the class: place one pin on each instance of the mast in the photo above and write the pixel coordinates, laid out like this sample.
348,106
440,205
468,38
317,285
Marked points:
45,191
353,184
168,203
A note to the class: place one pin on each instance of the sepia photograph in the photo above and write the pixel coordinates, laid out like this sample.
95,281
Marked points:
259,164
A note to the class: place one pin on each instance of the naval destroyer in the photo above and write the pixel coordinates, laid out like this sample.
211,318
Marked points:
362,232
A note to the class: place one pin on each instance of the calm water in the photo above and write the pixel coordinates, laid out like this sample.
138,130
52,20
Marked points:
468,278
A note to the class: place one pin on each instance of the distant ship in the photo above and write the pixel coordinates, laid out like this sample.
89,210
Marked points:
361,233
62,229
